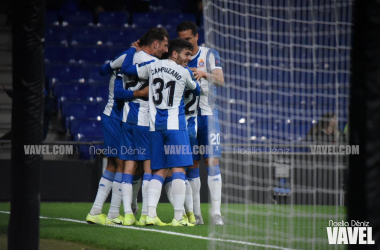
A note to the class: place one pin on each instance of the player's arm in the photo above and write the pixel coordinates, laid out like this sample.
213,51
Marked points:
216,76
123,94
141,70
112,65
192,84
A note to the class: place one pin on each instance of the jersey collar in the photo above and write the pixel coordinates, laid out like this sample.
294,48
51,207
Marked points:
196,55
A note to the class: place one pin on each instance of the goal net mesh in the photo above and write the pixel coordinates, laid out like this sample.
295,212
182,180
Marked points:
286,67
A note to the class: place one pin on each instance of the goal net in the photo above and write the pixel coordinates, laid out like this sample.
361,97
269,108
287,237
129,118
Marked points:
285,101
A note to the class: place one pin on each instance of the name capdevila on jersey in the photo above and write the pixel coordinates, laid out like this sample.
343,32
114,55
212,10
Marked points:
343,232
168,71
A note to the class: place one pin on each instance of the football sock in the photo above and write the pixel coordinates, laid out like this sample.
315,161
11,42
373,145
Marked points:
168,189
195,183
116,196
214,181
136,188
105,185
188,197
179,193
144,191
126,187
154,193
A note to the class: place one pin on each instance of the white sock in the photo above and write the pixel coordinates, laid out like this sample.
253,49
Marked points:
105,185
168,189
144,191
116,197
136,189
154,193
127,191
215,186
179,193
195,184
188,198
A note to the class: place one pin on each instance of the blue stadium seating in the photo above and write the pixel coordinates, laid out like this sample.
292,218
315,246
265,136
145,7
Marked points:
124,37
115,19
66,73
57,35
86,36
102,92
77,18
92,73
82,111
59,54
147,19
86,128
175,18
92,54
87,151
75,92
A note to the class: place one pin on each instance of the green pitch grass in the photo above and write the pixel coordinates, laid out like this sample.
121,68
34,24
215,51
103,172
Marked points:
271,226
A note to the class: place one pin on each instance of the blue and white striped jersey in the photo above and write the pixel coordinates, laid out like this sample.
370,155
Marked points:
113,107
207,60
137,110
167,83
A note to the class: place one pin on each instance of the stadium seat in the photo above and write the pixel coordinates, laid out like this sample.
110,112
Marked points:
59,54
102,92
66,73
86,36
57,35
51,17
86,128
124,37
82,111
77,18
147,19
116,19
92,72
201,38
75,92
92,54
173,19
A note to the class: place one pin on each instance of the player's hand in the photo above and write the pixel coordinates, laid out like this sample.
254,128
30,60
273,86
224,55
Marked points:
136,44
142,93
198,74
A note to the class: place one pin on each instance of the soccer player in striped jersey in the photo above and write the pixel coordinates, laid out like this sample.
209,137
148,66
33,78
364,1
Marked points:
167,83
135,132
206,66
111,123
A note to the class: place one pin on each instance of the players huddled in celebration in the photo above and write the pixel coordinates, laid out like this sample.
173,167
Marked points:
154,107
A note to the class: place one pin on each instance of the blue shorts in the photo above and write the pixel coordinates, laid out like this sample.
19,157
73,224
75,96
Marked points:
209,136
169,149
192,131
135,143
111,132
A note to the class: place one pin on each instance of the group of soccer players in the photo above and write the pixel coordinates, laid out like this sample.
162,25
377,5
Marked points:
154,105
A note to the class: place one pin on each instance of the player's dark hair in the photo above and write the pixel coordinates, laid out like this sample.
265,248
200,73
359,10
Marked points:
178,44
187,25
152,35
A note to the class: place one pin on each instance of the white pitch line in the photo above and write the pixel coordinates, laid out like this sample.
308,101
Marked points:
171,233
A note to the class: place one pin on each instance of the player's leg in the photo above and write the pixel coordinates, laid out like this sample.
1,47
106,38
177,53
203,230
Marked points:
154,194
111,133
105,185
144,191
157,142
142,140
168,186
209,138
127,191
177,162
189,203
137,179
114,216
